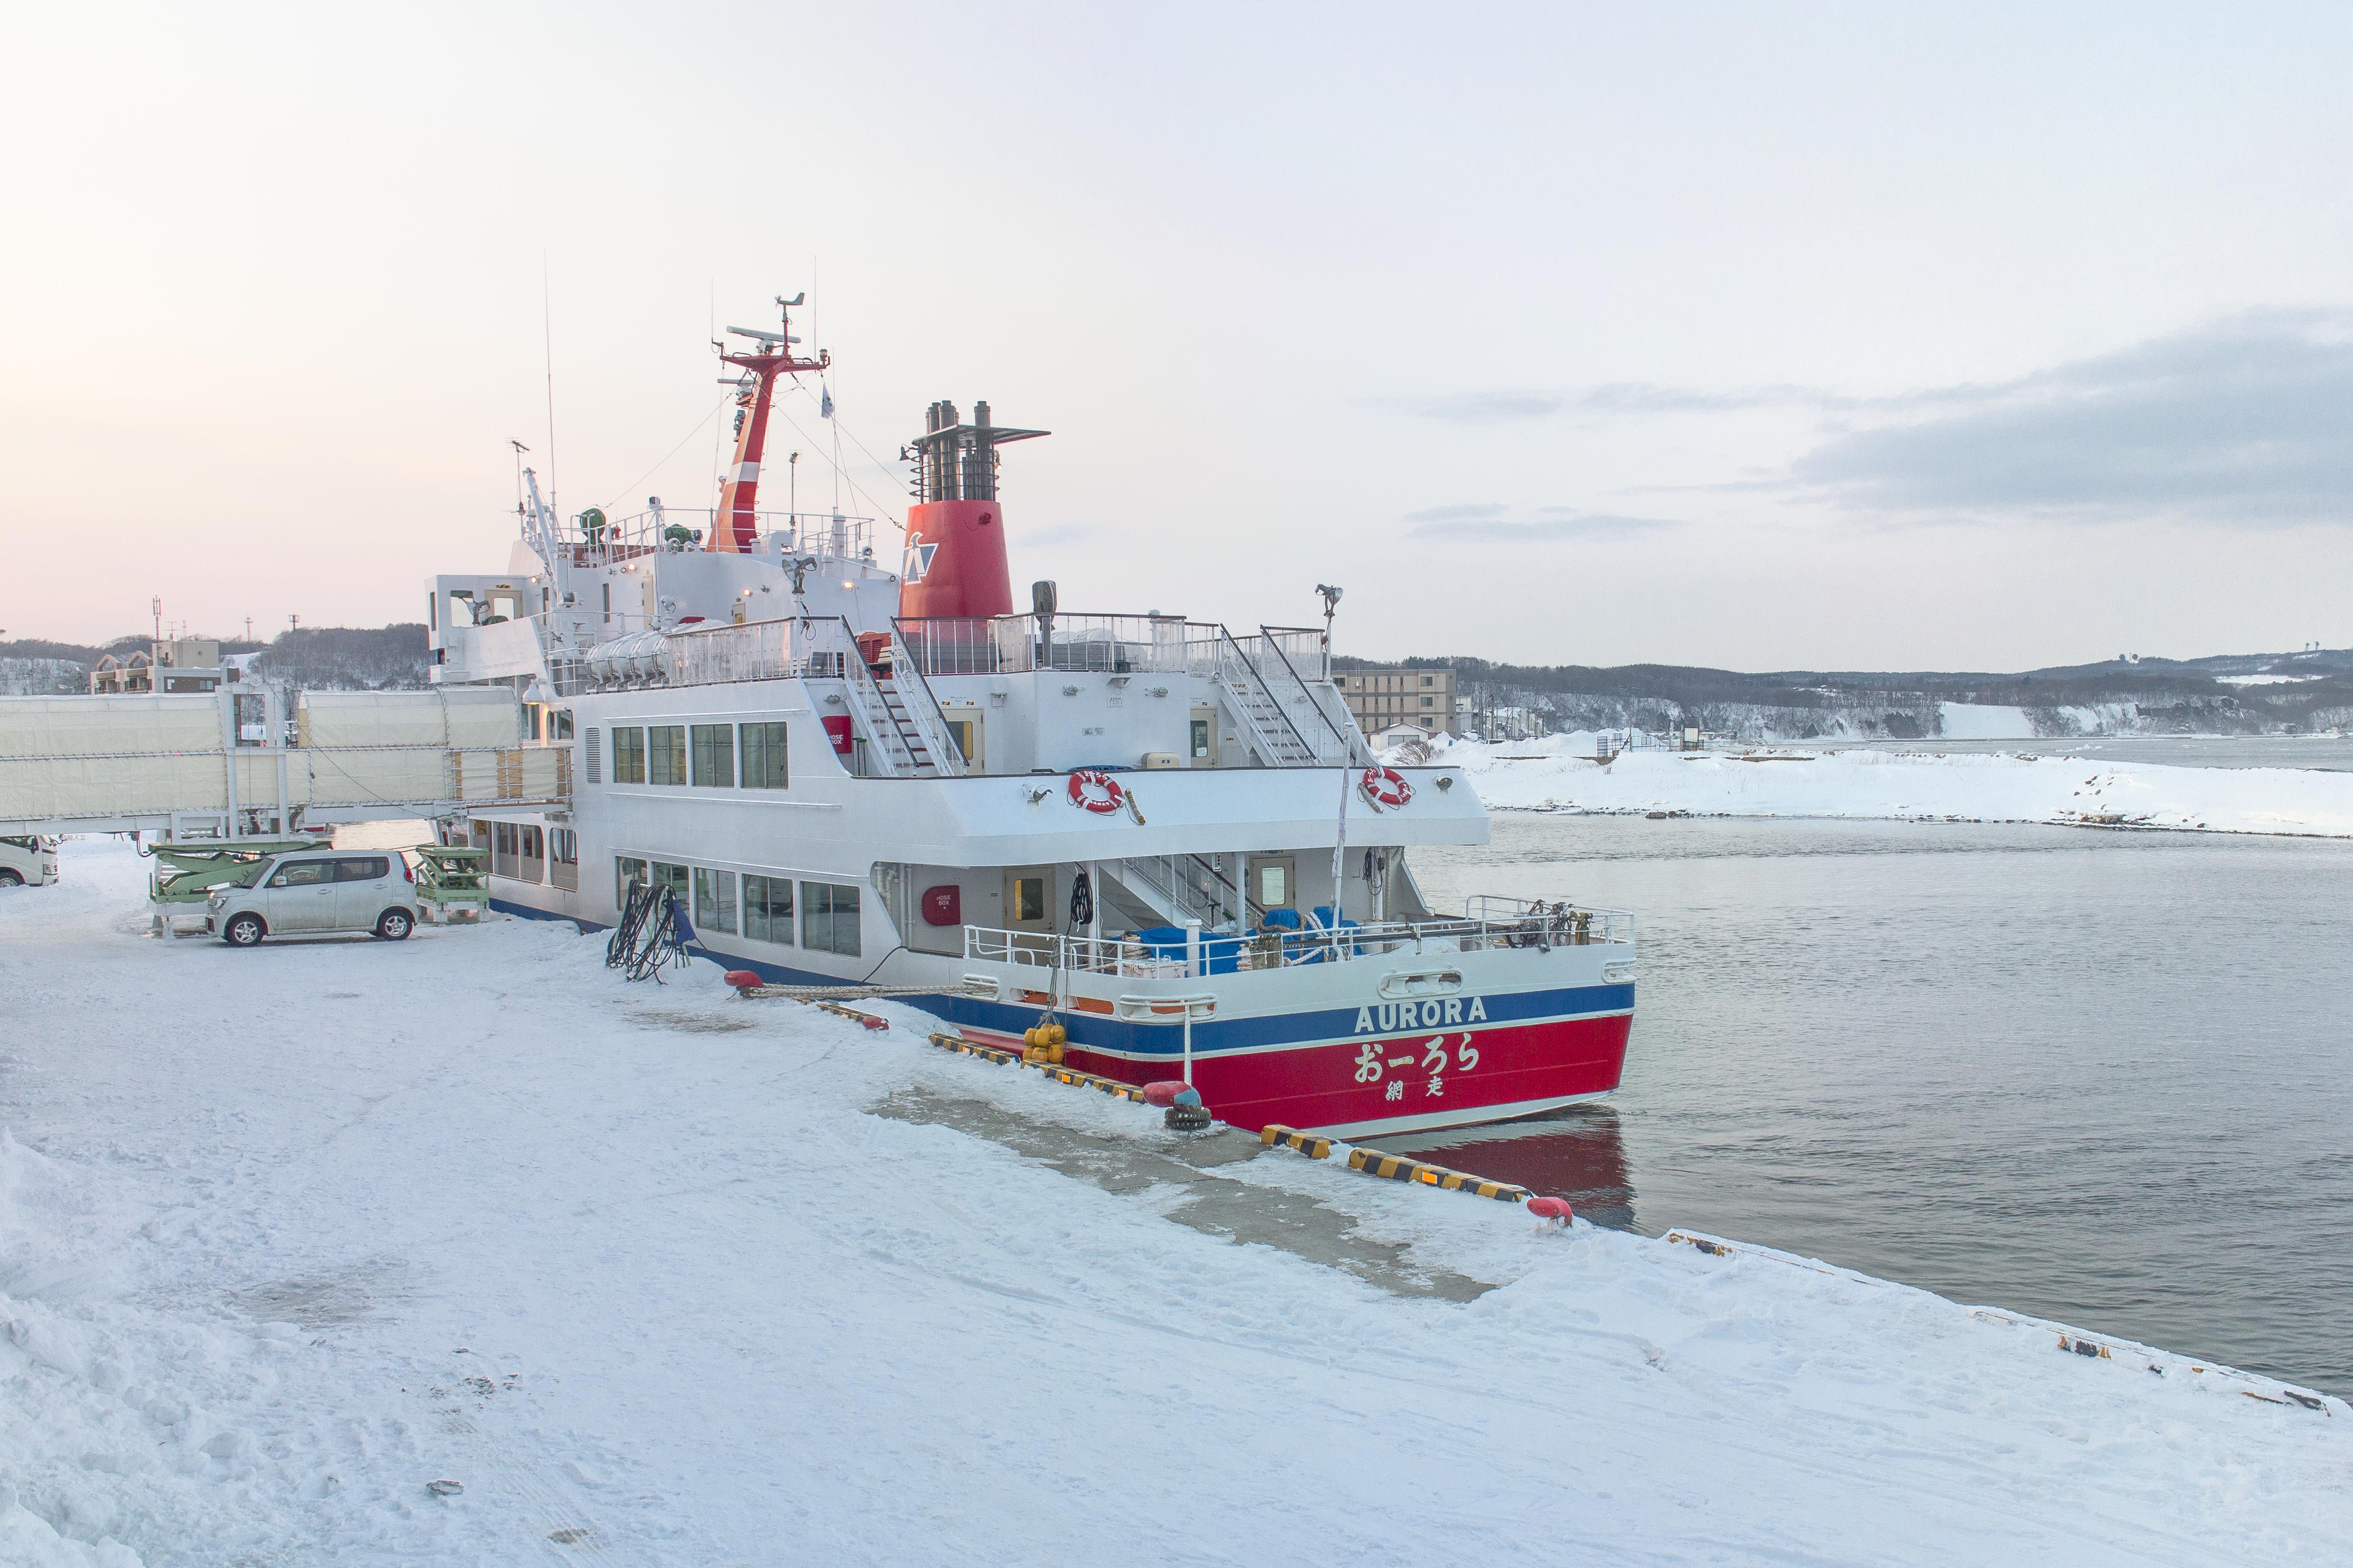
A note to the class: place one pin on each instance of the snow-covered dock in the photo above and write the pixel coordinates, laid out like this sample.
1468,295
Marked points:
656,1276
1560,772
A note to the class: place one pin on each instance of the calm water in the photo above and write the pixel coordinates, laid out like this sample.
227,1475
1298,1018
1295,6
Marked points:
2096,1077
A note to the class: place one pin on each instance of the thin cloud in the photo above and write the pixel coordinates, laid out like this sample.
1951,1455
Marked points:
1548,525
1455,513
2240,423
1505,406
1053,538
1483,407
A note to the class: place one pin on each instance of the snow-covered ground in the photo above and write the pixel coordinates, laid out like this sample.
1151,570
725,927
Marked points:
1560,771
288,1235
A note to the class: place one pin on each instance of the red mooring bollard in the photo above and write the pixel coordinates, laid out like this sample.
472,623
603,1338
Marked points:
744,979
1554,1209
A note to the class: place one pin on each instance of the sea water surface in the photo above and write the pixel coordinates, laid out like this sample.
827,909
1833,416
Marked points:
2096,1077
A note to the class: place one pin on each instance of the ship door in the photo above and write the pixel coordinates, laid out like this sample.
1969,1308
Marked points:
1274,881
1029,898
1202,738
964,723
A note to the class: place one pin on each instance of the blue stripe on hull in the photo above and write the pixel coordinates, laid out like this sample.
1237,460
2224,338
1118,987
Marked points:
1210,1036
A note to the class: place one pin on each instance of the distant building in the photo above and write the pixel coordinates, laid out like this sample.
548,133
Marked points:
1387,695
181,664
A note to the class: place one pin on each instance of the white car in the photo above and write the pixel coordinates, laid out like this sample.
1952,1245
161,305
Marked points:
315,892
27,862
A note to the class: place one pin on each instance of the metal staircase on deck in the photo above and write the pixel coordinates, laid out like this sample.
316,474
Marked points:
1272,733
1179,888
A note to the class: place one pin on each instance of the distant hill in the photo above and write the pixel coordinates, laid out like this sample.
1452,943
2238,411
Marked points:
345,658
2225,694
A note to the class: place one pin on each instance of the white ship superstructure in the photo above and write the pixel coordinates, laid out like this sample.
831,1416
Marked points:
1166,833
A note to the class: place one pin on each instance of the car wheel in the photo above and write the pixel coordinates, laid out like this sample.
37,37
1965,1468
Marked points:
394,926
242,931
9,879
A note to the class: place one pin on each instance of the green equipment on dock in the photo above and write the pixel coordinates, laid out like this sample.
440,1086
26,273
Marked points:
187,871
451,882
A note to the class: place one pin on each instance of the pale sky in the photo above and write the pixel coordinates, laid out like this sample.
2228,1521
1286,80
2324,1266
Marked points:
1828,336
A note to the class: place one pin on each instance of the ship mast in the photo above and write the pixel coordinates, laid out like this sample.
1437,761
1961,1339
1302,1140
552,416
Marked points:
734,529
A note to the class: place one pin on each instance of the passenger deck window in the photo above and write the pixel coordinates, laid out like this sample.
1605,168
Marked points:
628,755
666,754
764,756
714,756
671,877
829,917
714,901
627,873
768,909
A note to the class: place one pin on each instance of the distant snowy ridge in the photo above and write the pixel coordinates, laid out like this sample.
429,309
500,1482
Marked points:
1558,772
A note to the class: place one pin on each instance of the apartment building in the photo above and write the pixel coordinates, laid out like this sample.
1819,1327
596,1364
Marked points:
1387,695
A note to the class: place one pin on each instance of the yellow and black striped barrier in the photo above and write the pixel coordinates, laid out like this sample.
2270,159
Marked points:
1071,1076
962,1047
1275,1135
1397,1168
872,1020
1110,1086
1393,1167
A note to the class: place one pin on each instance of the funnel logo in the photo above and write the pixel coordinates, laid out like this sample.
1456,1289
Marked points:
918,564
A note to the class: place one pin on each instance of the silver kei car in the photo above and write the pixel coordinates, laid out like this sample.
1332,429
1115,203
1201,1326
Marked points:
317,893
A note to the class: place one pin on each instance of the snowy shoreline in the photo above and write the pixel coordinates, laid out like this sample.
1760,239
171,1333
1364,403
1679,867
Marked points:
689,1279
1560,774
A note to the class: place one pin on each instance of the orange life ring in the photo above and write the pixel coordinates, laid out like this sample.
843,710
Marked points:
1085,781
1385,787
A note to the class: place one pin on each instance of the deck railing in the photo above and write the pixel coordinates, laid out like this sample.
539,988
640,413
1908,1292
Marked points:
647,533
1015,645
1511,924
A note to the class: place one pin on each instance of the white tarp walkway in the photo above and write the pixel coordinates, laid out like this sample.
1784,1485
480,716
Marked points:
156,761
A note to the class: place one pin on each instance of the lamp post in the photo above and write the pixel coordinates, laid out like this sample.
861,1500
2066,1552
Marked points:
1331,606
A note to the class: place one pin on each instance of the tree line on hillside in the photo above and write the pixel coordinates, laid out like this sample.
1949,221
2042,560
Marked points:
2301,691
341,658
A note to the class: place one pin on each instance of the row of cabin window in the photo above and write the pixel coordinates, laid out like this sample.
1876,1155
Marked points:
517,849
521,839
828,910
540,722
711,756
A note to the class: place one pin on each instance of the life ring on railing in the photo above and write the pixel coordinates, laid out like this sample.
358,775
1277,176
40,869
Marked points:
1085,784
1385,788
